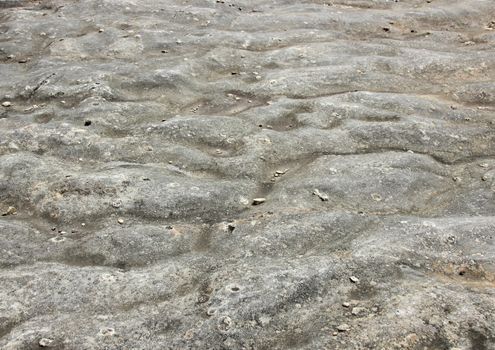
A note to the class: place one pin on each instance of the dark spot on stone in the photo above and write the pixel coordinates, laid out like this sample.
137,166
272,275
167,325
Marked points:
478,339
87,123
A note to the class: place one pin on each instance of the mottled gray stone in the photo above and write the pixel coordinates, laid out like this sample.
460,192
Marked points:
135,137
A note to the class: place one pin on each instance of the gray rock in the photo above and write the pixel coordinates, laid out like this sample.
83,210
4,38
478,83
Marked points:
258,201
322,196
354,279
358,311
139,132
45,342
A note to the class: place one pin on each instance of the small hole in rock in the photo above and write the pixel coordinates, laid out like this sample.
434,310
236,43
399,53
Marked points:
87,123
234,289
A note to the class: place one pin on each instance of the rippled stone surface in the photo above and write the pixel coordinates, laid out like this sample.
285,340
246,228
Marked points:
135,135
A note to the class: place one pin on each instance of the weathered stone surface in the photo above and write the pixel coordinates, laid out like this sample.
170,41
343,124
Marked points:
135,137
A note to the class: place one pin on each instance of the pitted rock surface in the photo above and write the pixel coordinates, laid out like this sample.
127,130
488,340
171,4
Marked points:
136,137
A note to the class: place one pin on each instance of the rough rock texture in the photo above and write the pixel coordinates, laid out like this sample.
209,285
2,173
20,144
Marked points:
135,135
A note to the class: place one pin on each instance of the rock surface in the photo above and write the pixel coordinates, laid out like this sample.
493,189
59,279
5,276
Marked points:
135,137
